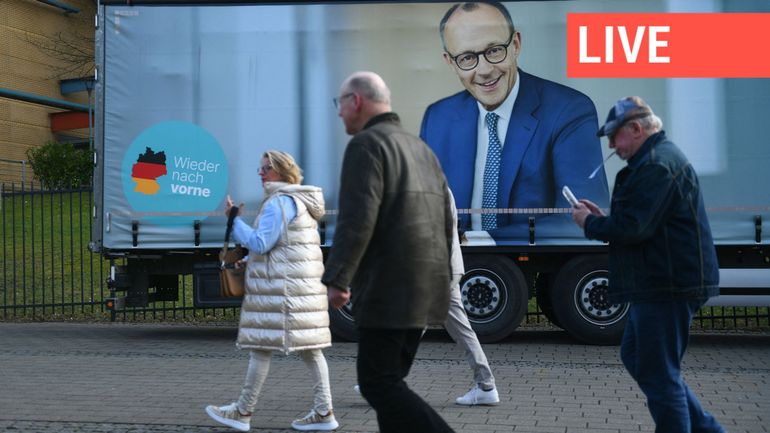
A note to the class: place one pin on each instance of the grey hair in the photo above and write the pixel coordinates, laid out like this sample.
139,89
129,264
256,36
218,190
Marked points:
370,86
651,122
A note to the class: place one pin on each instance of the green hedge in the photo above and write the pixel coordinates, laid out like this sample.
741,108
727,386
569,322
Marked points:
61,165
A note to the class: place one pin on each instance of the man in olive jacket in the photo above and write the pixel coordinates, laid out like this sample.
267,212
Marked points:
391,247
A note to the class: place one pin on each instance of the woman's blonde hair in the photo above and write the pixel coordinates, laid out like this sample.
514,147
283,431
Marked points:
284,165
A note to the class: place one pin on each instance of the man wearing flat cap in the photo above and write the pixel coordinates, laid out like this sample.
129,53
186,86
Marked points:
662,260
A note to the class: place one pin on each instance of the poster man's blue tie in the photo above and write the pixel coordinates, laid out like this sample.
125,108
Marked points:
491,174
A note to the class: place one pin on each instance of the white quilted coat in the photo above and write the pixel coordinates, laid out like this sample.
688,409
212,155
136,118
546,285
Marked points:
285,305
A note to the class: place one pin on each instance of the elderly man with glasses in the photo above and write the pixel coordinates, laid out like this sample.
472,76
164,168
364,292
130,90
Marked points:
391,251
511,139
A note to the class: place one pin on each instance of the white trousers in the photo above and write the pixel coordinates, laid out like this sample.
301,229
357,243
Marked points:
459,328
259,365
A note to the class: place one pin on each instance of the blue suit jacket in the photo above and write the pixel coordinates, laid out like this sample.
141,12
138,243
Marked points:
551,142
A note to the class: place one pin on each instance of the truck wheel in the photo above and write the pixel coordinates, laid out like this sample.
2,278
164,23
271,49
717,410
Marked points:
579,300
494,294
342,324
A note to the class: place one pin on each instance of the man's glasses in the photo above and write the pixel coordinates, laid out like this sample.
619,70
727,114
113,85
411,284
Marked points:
338,101
494,54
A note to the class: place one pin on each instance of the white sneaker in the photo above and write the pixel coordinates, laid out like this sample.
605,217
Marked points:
230,416
316,421
477,396
357,389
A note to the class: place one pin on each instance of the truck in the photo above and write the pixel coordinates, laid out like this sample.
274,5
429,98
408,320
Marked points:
189,94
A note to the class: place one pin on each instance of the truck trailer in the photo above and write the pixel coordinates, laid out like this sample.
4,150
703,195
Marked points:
189,94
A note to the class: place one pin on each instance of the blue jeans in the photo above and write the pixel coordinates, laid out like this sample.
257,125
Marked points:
653,345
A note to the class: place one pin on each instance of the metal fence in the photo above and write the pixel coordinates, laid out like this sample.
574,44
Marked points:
48,273
46,269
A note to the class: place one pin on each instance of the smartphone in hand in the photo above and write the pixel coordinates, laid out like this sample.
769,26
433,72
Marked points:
569,196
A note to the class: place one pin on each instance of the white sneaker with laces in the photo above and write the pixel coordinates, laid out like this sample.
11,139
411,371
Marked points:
477,396
316,421
230,416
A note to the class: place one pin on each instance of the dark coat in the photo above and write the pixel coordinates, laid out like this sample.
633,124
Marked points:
394,229
660,240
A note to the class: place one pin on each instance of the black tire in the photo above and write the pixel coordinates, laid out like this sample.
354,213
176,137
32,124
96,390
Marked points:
579,300
341,323
494,294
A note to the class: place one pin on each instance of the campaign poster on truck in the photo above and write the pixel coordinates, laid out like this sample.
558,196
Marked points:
190,94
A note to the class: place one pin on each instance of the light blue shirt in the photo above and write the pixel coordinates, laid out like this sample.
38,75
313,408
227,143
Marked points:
263,238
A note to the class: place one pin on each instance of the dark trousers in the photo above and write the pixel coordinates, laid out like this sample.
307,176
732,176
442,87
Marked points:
384,359
652,348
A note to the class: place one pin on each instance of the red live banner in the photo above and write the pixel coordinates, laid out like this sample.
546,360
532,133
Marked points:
668,45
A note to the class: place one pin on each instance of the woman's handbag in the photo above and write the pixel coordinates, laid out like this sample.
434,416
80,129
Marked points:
231,278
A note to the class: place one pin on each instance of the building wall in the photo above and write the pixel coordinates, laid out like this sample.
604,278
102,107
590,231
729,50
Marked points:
26,26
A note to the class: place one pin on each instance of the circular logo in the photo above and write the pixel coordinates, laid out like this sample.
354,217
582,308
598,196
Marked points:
174,167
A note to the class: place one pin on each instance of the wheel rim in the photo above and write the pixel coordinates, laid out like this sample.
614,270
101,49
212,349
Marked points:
347,311
591,300
483,296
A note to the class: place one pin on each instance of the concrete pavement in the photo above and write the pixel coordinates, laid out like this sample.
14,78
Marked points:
65,377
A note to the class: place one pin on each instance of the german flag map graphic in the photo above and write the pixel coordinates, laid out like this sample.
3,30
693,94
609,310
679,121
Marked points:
148,168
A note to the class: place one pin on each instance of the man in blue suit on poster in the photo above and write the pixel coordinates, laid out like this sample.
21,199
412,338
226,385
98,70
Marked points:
511,140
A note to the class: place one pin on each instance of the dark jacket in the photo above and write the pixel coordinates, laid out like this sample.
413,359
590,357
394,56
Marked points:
660,241
394,229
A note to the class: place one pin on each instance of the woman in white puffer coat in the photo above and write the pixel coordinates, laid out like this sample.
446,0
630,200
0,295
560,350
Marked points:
285,308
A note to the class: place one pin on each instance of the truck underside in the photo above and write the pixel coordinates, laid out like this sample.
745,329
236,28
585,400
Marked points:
570,287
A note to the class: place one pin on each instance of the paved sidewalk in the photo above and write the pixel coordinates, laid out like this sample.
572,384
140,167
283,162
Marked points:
62,377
